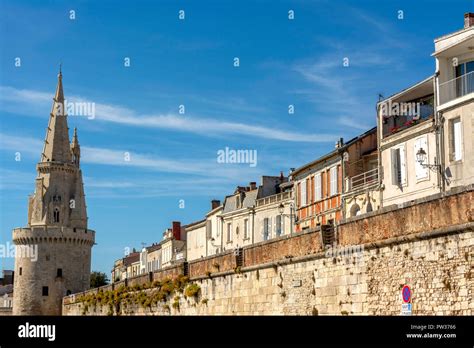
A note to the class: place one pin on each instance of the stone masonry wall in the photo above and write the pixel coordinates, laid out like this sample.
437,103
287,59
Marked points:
350,279
439,271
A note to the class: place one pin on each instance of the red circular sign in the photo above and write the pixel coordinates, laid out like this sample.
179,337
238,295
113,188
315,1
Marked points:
406,294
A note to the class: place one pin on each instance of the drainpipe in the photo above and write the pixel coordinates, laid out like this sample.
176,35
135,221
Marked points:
343,186
222,233
379,157
439,126
252,210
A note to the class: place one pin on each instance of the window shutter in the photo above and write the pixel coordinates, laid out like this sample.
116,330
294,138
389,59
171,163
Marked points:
395,165
271,227
317,187
403,177
209,233
457,140
333,183
421,172
303,193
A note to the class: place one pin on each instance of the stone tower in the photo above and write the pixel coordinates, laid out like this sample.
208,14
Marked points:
57,225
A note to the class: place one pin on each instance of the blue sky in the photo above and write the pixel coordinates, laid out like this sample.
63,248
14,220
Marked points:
190,62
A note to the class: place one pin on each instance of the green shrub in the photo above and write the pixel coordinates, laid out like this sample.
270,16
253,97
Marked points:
192,290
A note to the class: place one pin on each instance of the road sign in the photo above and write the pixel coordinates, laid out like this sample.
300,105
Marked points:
406,294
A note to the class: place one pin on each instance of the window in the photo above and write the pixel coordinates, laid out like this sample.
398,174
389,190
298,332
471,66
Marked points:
455,139
463,86
21,269
420,171
303,193
246,228
45,291
229,232
266,228
398,166
278,227
317,187
56,215
59,272
333,183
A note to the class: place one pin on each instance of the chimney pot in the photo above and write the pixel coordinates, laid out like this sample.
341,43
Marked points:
468,20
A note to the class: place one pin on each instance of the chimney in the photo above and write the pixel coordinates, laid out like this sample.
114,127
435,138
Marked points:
468,20
215,203
176,230
253,185
339,143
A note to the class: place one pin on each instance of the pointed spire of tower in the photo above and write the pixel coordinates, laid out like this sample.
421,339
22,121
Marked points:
75,148
56,145
75,142
59,96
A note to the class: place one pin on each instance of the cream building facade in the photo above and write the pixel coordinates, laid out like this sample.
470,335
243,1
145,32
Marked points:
196,243
241,225
274,216
454,54
406,123
426,131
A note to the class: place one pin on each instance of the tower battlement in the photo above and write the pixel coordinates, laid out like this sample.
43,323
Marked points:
48,234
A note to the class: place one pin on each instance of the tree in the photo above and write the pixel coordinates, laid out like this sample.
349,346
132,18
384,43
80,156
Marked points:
98,279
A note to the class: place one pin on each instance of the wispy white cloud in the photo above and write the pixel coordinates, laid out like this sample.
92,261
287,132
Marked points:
353,123
16,180
179,123
131,159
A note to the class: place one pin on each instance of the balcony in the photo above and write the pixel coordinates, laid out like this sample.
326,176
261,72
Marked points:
274,198
363,180
456,88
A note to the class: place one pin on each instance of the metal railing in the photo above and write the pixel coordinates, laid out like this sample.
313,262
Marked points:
456,88
368,178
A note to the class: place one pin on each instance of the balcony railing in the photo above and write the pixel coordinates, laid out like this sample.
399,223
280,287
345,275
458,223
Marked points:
366,179
274,198
456,88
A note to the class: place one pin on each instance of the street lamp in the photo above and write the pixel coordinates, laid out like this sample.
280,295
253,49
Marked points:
281,209
421,157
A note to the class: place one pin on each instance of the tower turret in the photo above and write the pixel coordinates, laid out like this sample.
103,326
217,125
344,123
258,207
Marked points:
75,149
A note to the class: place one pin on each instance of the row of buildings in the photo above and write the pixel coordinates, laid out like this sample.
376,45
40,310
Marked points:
422,145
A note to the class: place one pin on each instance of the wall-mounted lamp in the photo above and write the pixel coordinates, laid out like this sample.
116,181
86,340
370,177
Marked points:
421,157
